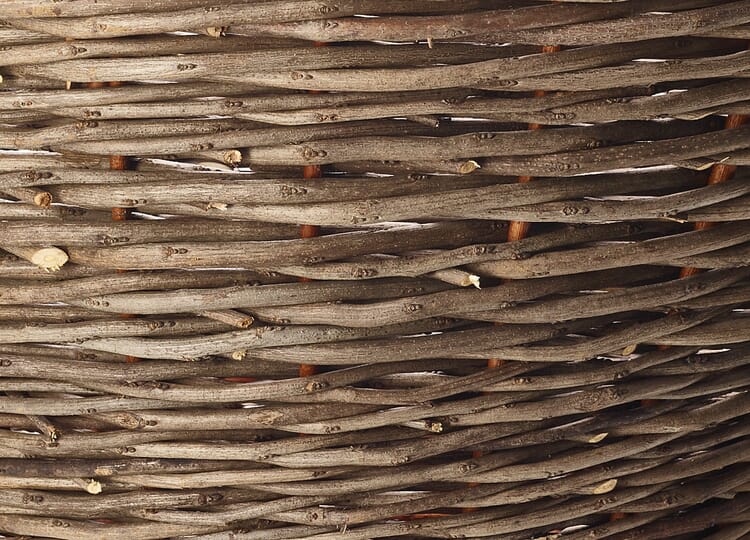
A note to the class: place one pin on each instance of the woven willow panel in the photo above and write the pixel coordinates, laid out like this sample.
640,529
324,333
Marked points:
370,269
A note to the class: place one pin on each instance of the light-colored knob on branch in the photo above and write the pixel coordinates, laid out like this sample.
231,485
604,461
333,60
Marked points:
50,259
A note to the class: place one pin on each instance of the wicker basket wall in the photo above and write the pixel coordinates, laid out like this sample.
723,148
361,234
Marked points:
338,269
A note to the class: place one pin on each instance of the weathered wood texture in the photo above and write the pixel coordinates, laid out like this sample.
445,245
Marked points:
618,398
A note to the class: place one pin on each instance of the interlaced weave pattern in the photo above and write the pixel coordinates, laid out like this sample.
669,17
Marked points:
371,269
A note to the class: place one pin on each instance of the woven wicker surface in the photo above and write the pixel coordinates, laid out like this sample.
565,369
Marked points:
456,269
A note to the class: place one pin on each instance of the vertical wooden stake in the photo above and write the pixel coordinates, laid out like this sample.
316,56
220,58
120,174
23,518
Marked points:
517,230
719,173
118,163
310,231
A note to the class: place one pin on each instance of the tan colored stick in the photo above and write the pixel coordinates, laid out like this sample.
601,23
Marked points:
230,317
